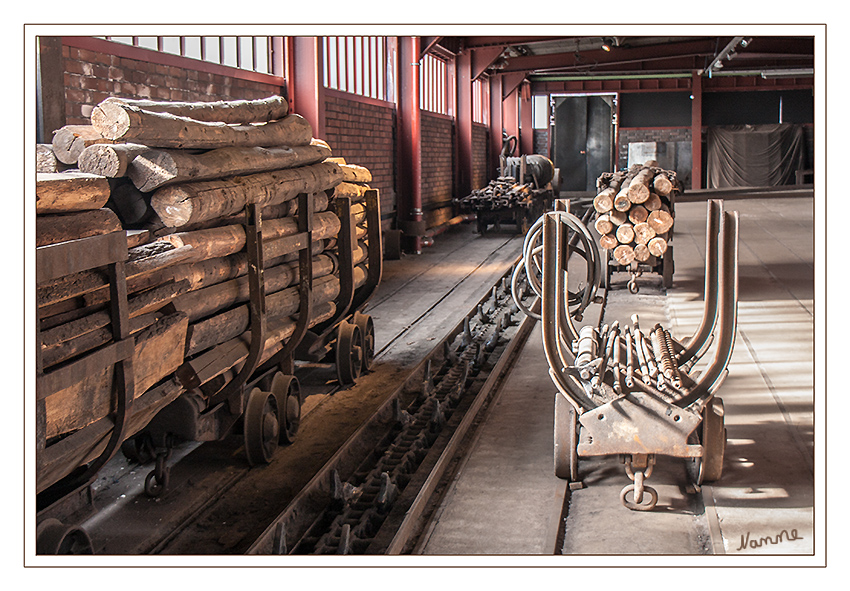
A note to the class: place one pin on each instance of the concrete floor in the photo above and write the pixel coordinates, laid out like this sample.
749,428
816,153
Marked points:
768,484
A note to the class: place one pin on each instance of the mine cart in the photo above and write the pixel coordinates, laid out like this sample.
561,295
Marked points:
631,391
525,189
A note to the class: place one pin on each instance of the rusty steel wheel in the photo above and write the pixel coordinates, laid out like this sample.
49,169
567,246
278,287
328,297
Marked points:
349,353
367,330
566,439
713,438
287,393
261,427
53,537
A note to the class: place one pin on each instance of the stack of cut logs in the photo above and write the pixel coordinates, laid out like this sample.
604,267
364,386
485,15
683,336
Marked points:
176,178
634,213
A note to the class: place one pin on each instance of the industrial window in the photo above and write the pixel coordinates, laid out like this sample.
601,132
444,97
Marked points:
357,65
246,53
480,101
433,88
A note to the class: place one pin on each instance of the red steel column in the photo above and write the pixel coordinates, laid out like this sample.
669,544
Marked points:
496,124
307,88
410,216
526,138
464,122
696,131
510,116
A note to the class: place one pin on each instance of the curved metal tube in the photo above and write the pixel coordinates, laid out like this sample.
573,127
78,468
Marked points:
727,314
709,317
551,302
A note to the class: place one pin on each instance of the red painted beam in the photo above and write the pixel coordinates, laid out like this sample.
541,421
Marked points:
484,58
496,124
526,137
307,89
464,123
410,143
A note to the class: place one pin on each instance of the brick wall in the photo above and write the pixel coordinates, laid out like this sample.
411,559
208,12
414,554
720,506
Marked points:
541,142
438,146
92,76
364,133
481,169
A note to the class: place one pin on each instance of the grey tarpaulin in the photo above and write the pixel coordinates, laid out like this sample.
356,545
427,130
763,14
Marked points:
754,155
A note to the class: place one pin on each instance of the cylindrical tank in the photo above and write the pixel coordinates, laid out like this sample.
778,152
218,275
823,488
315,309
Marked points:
536,167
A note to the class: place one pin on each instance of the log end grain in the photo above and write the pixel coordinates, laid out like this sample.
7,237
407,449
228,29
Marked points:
624,254
660,221
657,246
625,234
111,119
173,205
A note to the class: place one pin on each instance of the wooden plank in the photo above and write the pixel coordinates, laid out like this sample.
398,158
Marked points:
57,260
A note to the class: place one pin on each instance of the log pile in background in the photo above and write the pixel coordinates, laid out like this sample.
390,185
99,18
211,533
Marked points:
634,213
175,177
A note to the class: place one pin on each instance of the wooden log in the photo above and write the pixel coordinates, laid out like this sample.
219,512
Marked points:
183,204
238,111
352,173
46,161
226,356
625,234
226,240
662,185
350,190
618,217
660,221
603,225
158,168
209,300
222,327
657,246
643,233
63,192
70,141
638,214
145,259
624,254
642,253
158,352
653,203
622,202
604,201
131,205
56,339
50,229
639,187
116,121
109,160
609,242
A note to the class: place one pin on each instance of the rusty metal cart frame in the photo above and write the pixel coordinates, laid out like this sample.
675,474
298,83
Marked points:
602,412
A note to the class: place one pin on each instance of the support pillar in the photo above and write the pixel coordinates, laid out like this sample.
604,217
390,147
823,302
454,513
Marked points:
464,122
696,131
526,138
510,116
307,89
496,125
411,220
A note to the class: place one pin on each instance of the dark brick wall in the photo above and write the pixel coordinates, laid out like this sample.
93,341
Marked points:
364,134
92,76
481,169
438,147
541,142
634,135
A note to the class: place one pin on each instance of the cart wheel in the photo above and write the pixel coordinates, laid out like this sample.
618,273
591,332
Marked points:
566,438
53,537
287,394
667,268
261,427
367,330
349,353
713,438
139,449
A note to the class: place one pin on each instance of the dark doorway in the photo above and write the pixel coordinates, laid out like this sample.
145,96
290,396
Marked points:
583,139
